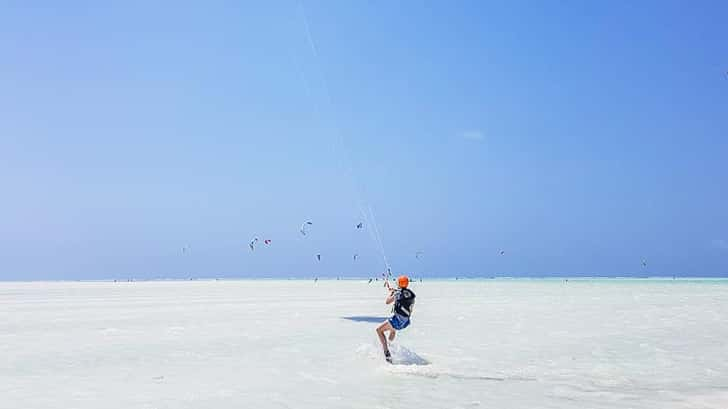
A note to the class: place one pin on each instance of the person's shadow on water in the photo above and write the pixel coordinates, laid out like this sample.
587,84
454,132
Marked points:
365,318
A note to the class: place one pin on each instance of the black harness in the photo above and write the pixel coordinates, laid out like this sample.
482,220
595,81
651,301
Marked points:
404,301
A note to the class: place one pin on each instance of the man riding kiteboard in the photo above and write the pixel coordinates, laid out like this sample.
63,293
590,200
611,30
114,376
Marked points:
404,300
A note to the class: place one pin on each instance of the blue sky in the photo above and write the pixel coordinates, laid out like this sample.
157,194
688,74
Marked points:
580,138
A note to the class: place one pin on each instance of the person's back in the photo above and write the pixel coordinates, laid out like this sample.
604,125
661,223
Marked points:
404,301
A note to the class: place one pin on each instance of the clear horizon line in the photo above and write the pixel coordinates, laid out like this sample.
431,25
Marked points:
349,278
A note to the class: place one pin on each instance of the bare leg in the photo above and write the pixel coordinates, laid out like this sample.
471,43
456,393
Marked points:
392,334
385,326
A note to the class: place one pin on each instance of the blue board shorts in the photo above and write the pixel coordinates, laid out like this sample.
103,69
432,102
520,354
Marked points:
399,322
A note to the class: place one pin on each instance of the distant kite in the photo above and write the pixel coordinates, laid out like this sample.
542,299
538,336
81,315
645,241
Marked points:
252,244
267,241
355,256
304,227
318,257
418,254
360,225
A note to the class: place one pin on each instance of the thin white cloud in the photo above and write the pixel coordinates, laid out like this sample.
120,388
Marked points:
721,244
473,135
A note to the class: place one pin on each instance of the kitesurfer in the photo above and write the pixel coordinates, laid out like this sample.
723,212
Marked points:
404,300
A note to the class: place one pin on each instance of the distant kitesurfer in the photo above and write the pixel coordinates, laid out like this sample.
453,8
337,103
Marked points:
404,300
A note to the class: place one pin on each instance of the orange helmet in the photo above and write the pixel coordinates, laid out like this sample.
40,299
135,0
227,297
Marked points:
402,281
